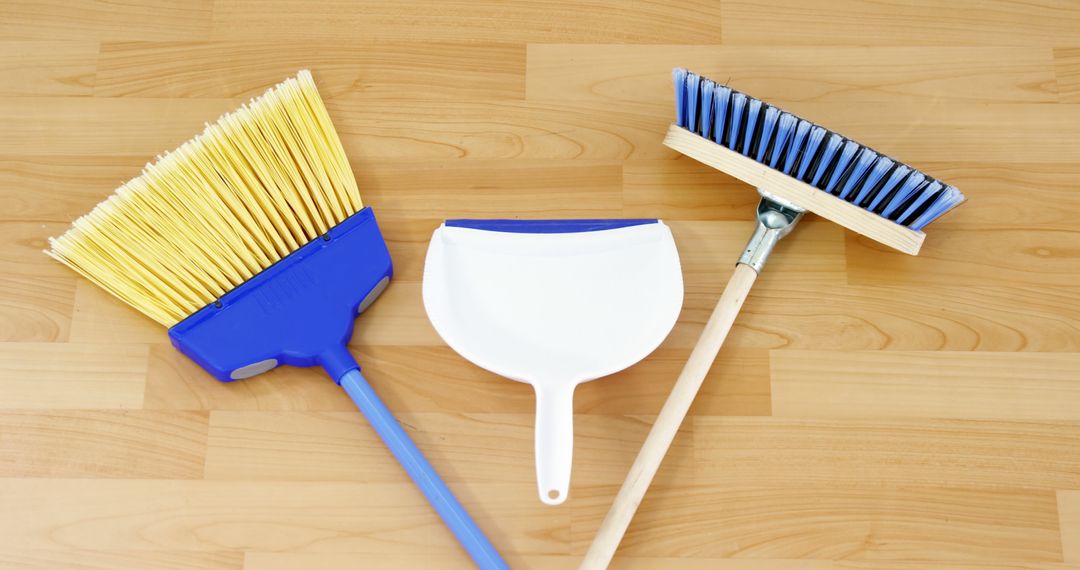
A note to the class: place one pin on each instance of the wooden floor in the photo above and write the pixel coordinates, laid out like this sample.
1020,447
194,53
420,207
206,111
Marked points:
871,410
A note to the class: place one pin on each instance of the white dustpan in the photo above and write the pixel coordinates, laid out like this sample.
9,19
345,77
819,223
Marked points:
553,303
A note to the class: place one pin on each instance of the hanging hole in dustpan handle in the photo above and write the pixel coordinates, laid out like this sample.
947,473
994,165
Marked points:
554,441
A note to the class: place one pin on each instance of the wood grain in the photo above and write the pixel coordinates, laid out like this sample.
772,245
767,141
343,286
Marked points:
59,376
104,20
892,22
1067,70
869,411
103,444
821,73
834,523
1069,509
229,69
47,67
605,21
915,384
872,453
215,516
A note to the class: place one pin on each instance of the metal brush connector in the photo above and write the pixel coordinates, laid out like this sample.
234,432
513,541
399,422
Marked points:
775,218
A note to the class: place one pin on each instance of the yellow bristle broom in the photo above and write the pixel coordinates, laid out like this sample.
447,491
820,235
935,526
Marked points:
250,242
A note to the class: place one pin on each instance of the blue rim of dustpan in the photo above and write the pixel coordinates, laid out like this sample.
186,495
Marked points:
547,226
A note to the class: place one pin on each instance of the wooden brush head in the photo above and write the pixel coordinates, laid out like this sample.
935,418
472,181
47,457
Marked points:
806,165
255,186
794,191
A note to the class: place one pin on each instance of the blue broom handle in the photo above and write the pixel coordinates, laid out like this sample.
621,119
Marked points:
422,473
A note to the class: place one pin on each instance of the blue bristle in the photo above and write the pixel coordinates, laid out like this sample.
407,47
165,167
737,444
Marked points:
738,104
899,174
883,165
797,140
754,109
813,142
723,98
707,89
693,84
767,126
924,194
810,153
862,164
827,154
846,154
783,133
679,75
947,200
910,185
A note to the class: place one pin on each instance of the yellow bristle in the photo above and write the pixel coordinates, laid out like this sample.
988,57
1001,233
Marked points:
198,222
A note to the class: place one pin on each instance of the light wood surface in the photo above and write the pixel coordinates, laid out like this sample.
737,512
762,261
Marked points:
869,409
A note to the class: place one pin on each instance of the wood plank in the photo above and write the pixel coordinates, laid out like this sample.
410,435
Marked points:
105,20
606,21
75,376
231,69
60,188
1069,510
820,73
464,448
93,559
1067,70
217,516
37,68
995,386
1021,257
103,444
98,126
873,526
35,309
886,453
902,317
867,22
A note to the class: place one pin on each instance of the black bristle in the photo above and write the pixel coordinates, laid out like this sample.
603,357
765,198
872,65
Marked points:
869,198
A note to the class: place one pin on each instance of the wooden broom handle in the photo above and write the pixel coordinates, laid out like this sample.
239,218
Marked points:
671,417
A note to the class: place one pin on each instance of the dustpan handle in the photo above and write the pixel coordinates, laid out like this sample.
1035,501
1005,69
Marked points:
671,417
423,474
554,435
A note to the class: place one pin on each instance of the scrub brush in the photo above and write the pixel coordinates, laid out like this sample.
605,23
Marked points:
251,244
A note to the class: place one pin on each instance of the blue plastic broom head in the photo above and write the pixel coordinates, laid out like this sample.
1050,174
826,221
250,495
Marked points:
824,159
299,311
